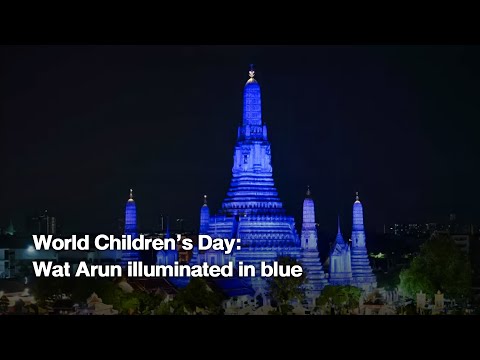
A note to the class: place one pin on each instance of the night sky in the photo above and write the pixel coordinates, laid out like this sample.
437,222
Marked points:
81,125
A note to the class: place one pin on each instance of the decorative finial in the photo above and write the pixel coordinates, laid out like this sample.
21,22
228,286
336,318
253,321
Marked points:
356,196
131,194
251,73
308,190
204,199
338,222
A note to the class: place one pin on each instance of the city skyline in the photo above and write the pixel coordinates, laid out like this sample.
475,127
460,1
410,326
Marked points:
166,130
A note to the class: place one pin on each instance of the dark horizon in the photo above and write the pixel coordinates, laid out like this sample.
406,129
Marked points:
82,125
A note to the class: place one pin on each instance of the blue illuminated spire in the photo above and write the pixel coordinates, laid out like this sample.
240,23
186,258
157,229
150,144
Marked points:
340,261
130,229
339,238
252,126
309,237
358,229
204,216
361,270
252,190
310,257
131,217
252,101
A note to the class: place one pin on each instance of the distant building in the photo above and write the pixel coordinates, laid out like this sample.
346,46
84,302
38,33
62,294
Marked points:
7,263
10,230
419,231
425,230
462,241
16,253
42,224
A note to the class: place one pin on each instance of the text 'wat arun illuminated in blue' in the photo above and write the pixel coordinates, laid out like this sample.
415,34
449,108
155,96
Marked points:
253,212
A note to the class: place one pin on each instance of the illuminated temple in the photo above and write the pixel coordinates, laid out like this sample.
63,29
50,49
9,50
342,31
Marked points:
253,212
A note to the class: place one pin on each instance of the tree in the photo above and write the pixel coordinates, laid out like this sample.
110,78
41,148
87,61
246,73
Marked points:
84,287
163,308
284,290
440,265
149,303
198,295
353,297
388,280
49,289
337,299
110,293
129,303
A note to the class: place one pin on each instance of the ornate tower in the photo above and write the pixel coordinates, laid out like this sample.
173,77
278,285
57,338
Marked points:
310,257
252,210
130,229
131,217
358,230
204,216
252,190
309,230
340,261
361,270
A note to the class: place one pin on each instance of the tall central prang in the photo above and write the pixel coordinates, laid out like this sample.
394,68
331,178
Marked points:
252,190
252,210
